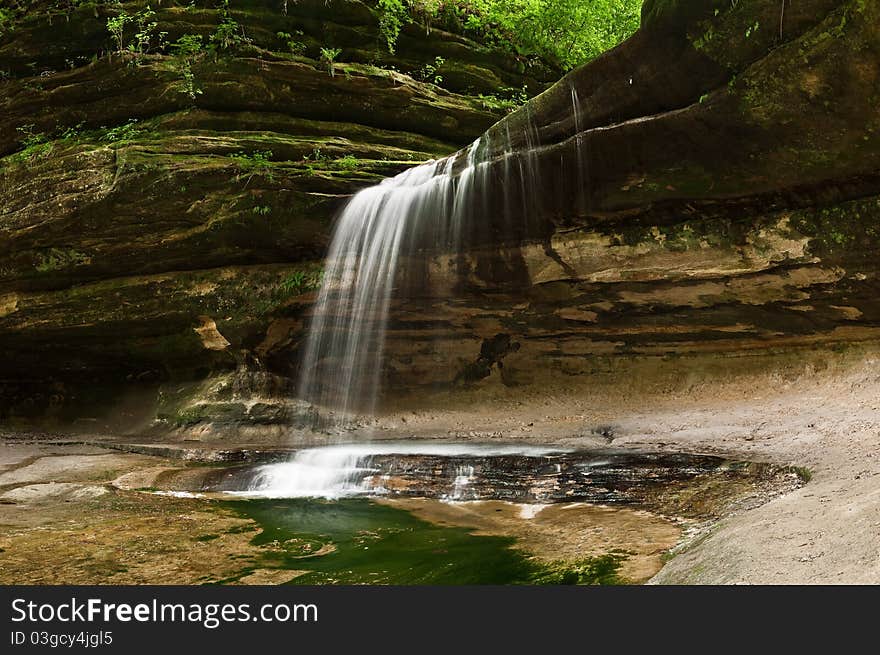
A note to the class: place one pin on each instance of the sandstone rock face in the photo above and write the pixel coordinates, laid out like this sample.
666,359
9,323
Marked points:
163,216
711,186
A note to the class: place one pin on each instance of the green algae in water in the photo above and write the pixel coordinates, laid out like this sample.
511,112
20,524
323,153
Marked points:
355,541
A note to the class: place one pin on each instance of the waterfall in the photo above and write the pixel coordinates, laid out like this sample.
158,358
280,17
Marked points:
578,135
439,207
464,476
332,472
429,204
351,470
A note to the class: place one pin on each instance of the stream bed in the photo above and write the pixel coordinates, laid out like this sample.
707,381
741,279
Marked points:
450,513
357,541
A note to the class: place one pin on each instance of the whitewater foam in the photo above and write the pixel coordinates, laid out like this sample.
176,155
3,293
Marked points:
347,470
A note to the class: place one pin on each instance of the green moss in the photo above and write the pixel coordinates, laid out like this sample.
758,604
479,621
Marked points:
255,163
695,234
34,144
803,473
207,537
191,416
228,413
376,544
841,231
601,570
56,259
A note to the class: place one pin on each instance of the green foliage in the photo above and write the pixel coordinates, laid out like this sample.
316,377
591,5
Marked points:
56,259
187,50
262,210
144,37
753,29
347,163
392,17
569,32
427,11
293,45
7,20
256,163
507,99
300,282
188,46
314,158
33,144
116,27
40,144
803,473
229,35
70,133
706,38
121,133
29,138
429,71
328,56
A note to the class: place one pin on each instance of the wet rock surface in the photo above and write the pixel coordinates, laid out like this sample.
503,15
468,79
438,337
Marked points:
76,513
676,484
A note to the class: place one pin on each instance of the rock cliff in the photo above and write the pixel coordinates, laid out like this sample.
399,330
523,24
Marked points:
166,191
709,187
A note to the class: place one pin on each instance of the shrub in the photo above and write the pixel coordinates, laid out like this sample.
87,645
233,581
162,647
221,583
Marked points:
187,50
328,56
125,132
229,35
292,44
569,32
256,163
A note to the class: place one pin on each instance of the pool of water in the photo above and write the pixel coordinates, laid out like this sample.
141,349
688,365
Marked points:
357,541
451,513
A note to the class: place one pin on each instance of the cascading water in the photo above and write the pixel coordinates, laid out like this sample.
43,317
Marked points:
578,135
332,472
342,364
351,470
436,208
464,475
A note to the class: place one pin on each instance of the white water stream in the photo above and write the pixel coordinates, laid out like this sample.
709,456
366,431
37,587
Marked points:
343,356
347,470
437,207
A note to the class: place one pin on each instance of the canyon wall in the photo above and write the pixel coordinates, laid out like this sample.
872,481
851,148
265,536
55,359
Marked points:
708,189
164,208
